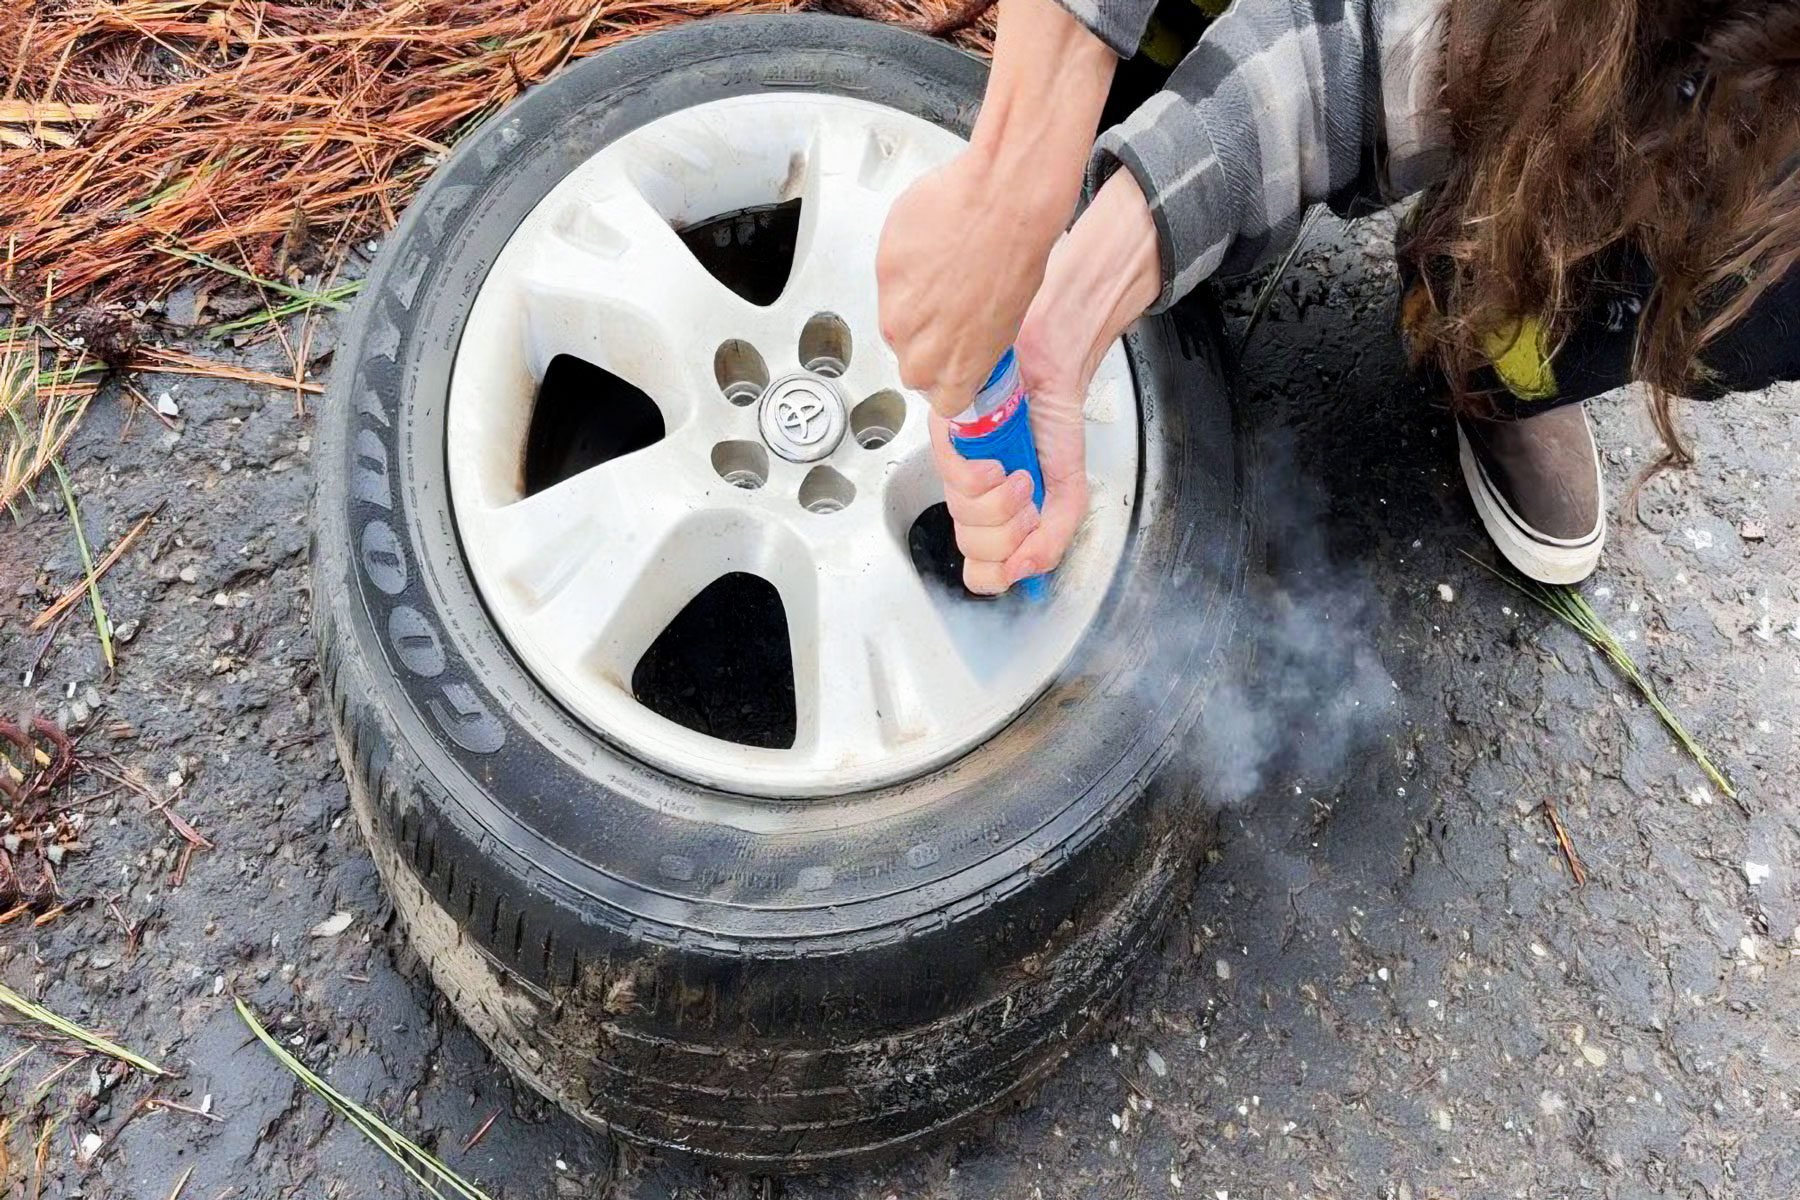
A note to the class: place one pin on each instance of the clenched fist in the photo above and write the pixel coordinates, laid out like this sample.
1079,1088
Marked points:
957,268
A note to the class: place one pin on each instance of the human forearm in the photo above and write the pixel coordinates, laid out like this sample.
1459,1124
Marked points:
1100,279
964,248
1044,95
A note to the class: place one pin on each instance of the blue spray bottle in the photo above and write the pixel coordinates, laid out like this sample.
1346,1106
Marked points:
998,426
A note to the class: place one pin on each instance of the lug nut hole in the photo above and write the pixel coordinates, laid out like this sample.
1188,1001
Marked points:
741,464
741,372
825,345
876,420
825,491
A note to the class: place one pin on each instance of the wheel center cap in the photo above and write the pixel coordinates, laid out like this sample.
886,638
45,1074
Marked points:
802,417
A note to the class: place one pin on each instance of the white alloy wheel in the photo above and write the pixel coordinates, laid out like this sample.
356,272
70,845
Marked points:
789,451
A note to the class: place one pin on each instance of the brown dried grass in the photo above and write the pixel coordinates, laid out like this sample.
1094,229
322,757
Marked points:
264,133
39,410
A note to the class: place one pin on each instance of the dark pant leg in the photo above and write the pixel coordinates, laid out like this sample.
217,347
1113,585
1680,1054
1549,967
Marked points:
1596,357
1759,350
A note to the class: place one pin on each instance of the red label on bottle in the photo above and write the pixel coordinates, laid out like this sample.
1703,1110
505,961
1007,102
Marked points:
989,421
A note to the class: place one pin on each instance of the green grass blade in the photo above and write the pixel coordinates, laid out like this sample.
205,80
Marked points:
1570,607
414,1160
68,374
69,1029
332,297
168,192
101,624
273,285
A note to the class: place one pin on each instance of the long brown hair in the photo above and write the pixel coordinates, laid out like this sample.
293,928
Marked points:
1581,125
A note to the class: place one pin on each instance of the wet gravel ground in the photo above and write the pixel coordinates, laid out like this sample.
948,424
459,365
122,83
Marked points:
1385,983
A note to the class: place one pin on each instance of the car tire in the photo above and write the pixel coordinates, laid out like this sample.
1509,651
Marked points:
868,970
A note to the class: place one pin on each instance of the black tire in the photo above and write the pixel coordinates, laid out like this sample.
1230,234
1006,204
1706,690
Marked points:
891,962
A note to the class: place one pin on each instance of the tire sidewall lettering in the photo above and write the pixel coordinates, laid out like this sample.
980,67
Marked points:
415,642
411,638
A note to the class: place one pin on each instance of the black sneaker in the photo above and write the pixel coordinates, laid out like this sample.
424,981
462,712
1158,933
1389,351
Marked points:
1536,483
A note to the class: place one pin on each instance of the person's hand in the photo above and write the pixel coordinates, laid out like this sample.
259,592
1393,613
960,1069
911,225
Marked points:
958,265
1099,279
1002,535
963,249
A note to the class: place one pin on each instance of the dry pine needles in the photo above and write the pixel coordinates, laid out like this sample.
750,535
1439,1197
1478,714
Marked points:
265,134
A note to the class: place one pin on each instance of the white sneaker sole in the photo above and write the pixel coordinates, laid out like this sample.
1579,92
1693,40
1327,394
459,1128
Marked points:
1537,555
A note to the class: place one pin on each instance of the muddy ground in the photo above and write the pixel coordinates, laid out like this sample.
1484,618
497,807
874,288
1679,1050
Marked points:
1385,982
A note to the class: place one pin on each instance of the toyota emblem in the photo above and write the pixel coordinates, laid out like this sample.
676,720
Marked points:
801,417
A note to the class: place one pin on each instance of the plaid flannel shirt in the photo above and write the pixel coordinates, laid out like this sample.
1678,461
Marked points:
1283,104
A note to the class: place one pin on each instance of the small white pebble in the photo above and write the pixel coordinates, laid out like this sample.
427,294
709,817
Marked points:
1222,969
1539,951
1755,872
1381,973
1155,1062
1446,593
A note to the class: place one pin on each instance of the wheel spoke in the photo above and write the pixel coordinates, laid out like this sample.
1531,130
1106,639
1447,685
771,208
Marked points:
853,174
911,480
599,563
610,282
875,666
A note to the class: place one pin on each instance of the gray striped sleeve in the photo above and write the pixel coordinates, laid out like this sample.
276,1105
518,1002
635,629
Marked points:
1118,23
1283,104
